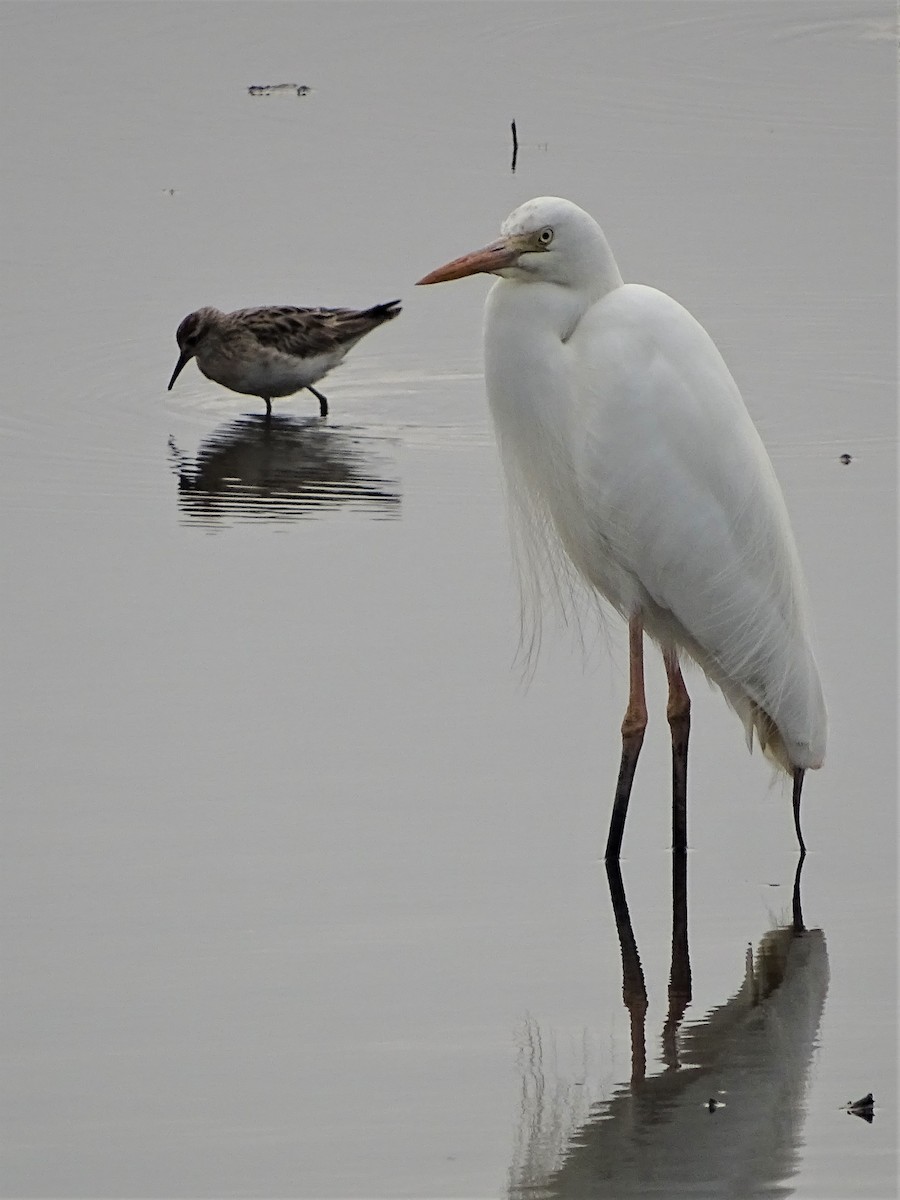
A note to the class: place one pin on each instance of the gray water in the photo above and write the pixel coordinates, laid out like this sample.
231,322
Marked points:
302,886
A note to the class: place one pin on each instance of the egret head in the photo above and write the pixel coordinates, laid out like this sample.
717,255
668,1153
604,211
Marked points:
191,333
546,239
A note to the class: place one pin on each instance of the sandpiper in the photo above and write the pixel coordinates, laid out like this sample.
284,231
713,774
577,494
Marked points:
271,352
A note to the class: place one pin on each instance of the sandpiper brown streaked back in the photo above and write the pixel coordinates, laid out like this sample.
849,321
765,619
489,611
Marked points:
272,352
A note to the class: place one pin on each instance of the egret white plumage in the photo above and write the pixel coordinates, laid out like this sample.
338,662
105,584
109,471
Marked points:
627,447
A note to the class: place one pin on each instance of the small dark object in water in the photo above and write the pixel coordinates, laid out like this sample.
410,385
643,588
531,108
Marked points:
712,1104
865,1107
270,89
515,147
846,459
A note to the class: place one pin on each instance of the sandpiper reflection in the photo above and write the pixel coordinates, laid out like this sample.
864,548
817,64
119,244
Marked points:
283,469
724,1115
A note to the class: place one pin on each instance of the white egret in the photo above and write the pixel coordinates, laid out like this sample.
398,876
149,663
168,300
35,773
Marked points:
630,456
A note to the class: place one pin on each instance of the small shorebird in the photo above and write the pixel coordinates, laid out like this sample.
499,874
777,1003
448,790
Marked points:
271,352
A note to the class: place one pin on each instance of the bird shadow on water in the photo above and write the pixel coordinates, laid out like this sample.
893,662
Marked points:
283,469
724,1115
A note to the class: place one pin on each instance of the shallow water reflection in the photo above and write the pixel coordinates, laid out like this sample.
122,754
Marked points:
282,469
725,1115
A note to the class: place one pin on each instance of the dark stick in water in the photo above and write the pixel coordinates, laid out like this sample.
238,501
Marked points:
515,147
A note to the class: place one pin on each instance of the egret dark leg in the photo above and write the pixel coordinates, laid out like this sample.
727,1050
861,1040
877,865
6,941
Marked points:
634,990
323,403
268,408
679,713
680,973
799,772
633,727
796,903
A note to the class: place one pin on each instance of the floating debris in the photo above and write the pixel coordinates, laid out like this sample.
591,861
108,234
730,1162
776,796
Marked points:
279,89
865,1107
846,459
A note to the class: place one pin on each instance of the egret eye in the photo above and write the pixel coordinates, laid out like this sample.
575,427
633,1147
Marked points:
545,237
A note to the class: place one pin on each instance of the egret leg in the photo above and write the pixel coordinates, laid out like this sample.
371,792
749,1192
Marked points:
796,903
799,772
323,403
633,726
634,990
679,713
268,407
680,973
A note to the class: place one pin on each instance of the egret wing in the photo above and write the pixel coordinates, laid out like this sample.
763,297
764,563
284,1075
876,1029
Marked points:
685,509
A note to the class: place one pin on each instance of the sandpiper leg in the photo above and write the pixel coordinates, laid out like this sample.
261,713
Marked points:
633,727
679,713
323,403
799,772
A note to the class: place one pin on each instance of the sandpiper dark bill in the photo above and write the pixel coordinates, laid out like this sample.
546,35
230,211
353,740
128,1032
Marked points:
273,352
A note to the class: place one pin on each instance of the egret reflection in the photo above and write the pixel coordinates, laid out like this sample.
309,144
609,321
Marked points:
283,469
724,1115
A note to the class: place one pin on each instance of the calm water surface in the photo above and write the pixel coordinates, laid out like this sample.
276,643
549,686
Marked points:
302,885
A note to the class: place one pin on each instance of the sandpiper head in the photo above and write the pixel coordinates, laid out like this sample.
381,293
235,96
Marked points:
190,334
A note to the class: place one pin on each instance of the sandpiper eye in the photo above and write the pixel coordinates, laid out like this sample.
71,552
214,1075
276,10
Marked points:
545,237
